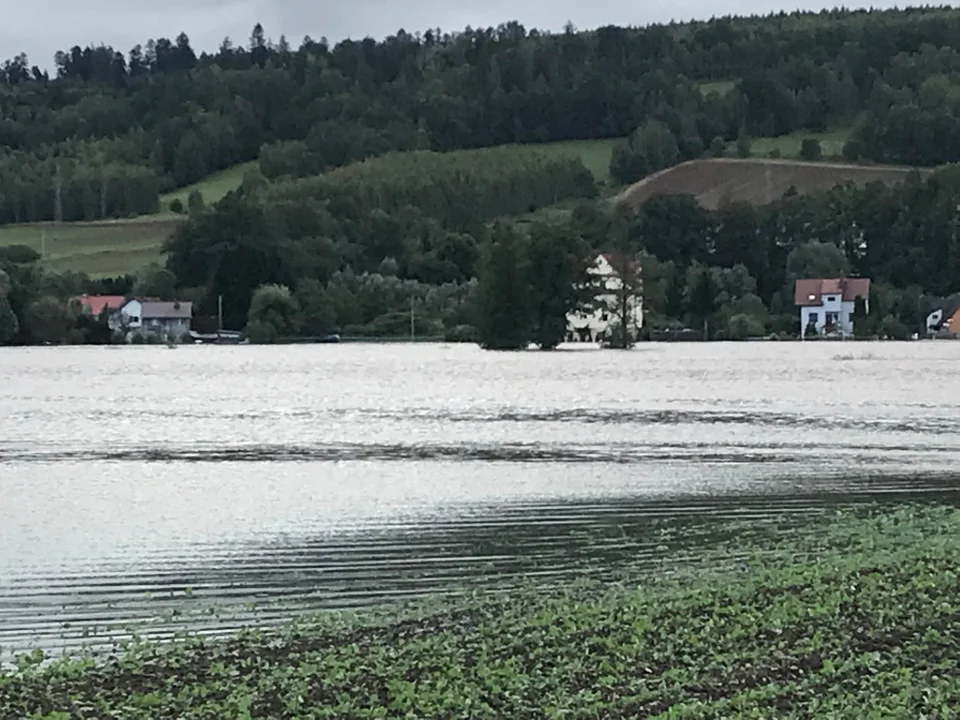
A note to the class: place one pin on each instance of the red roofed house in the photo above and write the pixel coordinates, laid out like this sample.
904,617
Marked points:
96,304
828,304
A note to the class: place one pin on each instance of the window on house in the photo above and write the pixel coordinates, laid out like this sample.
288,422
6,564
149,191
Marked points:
813,317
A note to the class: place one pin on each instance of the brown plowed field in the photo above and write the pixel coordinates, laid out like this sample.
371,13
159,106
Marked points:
755,181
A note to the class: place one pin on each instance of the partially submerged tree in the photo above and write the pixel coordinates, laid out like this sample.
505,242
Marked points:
9,325
702,297
622,294
50,320
504,312
273,314
557,261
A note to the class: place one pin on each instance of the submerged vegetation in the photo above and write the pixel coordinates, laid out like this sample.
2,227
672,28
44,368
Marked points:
857,619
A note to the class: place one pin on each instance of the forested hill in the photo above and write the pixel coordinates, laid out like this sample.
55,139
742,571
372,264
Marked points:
110,130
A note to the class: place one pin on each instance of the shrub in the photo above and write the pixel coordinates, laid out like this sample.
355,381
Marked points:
810,149
718,147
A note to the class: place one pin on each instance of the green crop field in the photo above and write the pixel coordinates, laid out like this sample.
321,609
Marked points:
855,618
213,187
100,249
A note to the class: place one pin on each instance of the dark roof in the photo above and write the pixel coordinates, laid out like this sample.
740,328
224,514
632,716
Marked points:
166,310
809,293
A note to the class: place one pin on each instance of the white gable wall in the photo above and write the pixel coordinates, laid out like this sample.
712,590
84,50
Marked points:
593,323
130,316
832,307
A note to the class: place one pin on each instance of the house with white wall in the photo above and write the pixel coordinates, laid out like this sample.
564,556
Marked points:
168,321
829,304
591,323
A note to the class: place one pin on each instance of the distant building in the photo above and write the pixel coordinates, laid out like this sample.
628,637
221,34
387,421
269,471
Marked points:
952,325
945,320
165,320
95,304
828,304
592,323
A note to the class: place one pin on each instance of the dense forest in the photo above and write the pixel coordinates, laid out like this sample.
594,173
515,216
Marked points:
109,130
372,202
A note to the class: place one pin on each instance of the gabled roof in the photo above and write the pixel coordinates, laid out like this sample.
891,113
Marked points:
810,292
96,304
154,310
953,323
614,260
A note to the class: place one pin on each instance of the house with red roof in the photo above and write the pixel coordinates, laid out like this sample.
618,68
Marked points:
96,304
828,304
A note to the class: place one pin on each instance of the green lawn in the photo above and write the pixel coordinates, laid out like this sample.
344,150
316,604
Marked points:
721,87
213,187
831,142
595,154
100,249
856,618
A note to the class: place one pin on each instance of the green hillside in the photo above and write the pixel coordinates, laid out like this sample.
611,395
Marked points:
118,247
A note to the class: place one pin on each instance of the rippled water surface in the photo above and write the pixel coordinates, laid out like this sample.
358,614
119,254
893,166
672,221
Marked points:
147,484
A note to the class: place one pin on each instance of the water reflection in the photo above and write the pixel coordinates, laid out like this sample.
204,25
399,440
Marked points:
164,485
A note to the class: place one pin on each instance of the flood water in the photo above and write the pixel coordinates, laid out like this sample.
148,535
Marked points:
178,487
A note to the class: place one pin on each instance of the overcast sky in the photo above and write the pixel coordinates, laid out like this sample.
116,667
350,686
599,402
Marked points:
41,27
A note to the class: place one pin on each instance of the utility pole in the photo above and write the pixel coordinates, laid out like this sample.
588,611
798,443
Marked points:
413,313
220,312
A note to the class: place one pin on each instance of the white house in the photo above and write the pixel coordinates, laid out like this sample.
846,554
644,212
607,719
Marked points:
591,323
168,321
128,317
828,304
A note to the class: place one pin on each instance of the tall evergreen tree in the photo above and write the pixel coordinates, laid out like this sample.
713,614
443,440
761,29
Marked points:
624,303
557,276
505,316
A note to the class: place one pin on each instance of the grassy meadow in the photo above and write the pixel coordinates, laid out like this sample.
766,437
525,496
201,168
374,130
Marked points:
720,87
831,142
594,154
100,249
213,187
857,617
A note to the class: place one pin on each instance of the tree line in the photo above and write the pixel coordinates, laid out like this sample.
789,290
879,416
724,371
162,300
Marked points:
287,267
730,272
420,218
39,306
163,116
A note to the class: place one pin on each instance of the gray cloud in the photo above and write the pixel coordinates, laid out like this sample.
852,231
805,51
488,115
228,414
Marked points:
40,27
